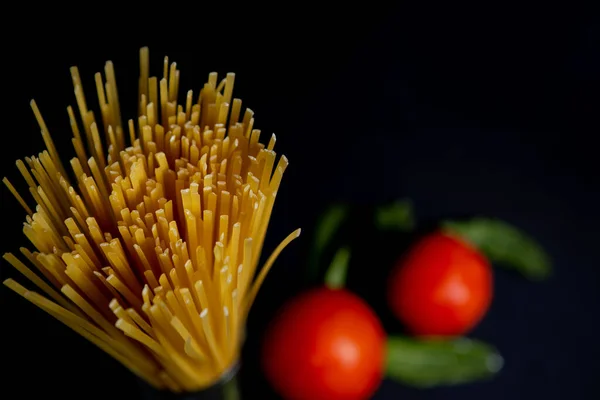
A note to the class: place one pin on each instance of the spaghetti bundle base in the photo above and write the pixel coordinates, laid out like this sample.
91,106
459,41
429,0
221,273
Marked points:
149,246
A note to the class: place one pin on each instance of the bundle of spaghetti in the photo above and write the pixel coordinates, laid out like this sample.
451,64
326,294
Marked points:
150,250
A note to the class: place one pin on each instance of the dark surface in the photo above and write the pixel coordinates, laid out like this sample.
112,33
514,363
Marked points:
495,115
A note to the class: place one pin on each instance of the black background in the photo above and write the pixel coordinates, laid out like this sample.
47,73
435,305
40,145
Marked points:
467,111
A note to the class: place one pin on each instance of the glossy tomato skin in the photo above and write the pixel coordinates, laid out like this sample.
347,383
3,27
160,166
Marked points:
443,287
325,344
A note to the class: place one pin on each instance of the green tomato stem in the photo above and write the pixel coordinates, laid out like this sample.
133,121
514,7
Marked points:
335,277
326,228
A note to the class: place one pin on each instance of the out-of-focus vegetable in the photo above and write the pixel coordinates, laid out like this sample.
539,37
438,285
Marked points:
504,244
325,344
327,226
432,362
398,216
442,287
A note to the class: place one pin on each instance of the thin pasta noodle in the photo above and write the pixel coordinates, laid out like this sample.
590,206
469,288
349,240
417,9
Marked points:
150,248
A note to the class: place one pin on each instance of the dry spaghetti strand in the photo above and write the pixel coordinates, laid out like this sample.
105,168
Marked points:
151,252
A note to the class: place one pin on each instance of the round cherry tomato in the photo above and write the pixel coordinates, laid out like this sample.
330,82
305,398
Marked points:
325,344
443,287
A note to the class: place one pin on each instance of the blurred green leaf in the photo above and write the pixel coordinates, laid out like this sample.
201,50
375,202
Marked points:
335,277
505,244
396,216
438,362
327,225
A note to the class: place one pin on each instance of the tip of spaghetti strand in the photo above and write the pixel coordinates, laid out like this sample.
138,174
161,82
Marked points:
15,286
296,233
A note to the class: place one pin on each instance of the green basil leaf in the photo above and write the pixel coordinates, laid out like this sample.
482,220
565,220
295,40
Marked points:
396,216
439,362
335,277
326,228
504,244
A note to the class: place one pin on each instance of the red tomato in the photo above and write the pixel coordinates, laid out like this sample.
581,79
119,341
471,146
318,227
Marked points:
443,287
325,344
